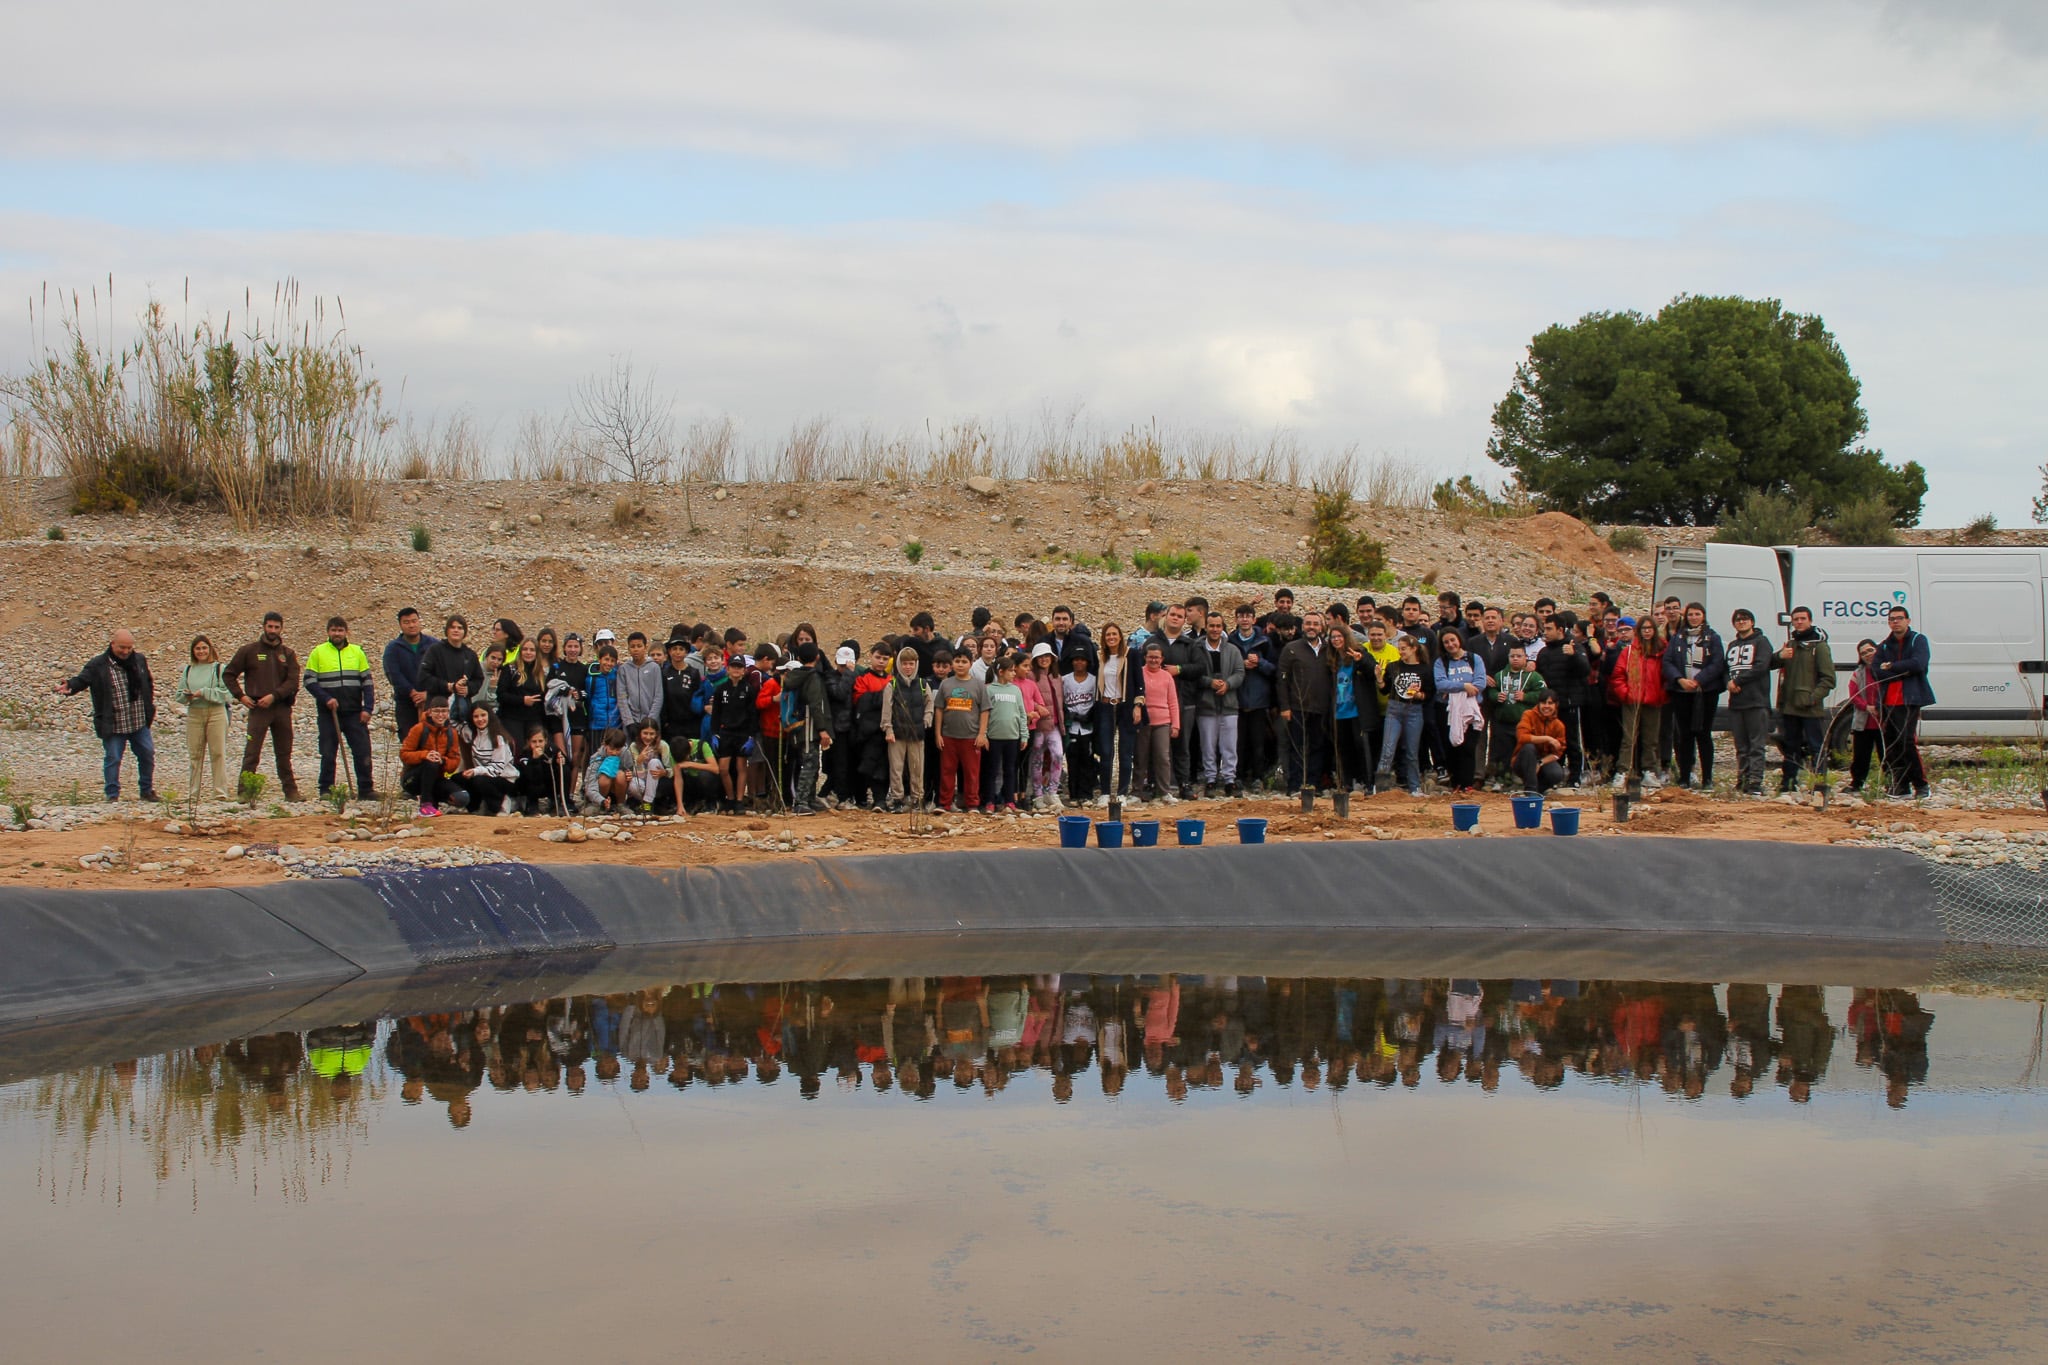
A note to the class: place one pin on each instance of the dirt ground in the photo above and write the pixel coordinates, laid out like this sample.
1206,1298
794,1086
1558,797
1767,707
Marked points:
51,859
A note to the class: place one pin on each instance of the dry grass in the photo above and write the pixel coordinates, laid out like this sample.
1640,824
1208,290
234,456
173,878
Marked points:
452,450
21,469
276,419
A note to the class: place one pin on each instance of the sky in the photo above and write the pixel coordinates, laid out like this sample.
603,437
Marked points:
1340,219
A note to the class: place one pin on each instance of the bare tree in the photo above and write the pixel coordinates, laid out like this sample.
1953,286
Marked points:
628,425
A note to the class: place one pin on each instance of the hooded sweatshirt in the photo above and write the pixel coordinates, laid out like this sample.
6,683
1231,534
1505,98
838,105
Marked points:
908,700
1807,677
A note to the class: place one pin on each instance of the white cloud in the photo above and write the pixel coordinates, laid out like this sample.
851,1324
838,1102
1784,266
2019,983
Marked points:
440,85
1196,310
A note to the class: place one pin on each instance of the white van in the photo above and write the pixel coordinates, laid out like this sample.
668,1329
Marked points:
1984,613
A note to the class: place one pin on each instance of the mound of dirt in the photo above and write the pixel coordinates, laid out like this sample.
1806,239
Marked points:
1569,541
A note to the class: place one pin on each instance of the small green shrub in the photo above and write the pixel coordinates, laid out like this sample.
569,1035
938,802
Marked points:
1766,518
1112,561
913,551
54,533
1627,538
1334,547
249,787
1865,521
1981,528
422,538
1166,563
1256,571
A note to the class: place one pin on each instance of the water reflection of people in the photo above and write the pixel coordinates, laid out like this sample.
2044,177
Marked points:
1184,1033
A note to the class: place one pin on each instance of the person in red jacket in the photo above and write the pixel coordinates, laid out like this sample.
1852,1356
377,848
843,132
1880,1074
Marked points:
1635,684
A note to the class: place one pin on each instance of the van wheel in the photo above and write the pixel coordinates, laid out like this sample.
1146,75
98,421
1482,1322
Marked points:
1841,729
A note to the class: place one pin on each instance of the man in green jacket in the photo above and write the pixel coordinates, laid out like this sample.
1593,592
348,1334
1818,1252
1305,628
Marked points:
1806,669
337,677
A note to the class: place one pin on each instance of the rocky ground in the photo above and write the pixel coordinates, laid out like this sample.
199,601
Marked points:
761,557
225,844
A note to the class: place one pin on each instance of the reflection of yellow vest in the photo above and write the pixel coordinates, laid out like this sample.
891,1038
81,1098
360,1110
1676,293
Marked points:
330,1062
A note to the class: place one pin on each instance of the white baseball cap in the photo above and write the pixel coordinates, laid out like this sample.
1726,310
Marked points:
602,636
845,656
1041,650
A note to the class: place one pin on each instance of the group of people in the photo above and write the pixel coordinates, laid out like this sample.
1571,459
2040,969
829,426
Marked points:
1197,701
1184,1033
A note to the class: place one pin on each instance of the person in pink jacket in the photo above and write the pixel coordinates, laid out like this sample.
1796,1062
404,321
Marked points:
1158,724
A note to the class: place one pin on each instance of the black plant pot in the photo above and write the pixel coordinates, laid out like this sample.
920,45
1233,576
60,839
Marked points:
1342,801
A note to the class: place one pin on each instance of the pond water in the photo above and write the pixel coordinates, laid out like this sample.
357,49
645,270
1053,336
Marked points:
1076,1167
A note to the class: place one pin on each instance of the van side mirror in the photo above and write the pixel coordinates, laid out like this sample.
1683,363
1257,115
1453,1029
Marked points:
1784,618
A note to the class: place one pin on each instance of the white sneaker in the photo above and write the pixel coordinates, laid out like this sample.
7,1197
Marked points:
1652,781
505,806
1620,783
1171,799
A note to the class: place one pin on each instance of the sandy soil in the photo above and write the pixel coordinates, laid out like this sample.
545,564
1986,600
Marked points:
51,859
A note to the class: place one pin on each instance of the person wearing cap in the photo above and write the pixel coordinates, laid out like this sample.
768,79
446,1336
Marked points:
680,718
574,670
839,759
1045,708
402,658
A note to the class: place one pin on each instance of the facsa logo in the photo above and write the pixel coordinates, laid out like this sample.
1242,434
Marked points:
1874,608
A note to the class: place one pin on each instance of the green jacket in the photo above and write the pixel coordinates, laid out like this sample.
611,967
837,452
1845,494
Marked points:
1807,677
1500,690
342,675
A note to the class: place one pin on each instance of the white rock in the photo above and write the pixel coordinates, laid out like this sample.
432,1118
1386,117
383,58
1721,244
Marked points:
984,485
151,867
575,834
624,836
234,851
554,836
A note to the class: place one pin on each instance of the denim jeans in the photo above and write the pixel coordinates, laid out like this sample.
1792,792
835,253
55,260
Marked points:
144,744
1401,733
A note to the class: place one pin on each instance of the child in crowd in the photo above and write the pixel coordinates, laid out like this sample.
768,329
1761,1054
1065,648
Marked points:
493,773
1008,726
605,786
651,766
1159,722
543,777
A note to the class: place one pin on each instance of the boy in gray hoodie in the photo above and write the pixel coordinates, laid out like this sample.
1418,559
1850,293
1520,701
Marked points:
1749,699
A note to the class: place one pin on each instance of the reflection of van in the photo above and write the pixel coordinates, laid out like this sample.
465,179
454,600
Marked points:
1982,611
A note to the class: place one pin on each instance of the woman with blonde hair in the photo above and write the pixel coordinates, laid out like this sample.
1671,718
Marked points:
204,694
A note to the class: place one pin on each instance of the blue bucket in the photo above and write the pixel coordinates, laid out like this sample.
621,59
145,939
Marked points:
1465,815
1250,831
1074,831
1144,833
1109,833
1528,812
1188,831
1564,820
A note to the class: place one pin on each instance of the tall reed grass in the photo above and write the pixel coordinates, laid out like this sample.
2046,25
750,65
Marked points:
21,473
277,419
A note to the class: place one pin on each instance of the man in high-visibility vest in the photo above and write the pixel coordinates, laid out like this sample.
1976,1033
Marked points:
337,676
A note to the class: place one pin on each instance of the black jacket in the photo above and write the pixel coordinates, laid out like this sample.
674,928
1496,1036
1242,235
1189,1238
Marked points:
1191,652
1564,674
1494,655
93,678
443,664
1306,683
839,692
1076,646
678,693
